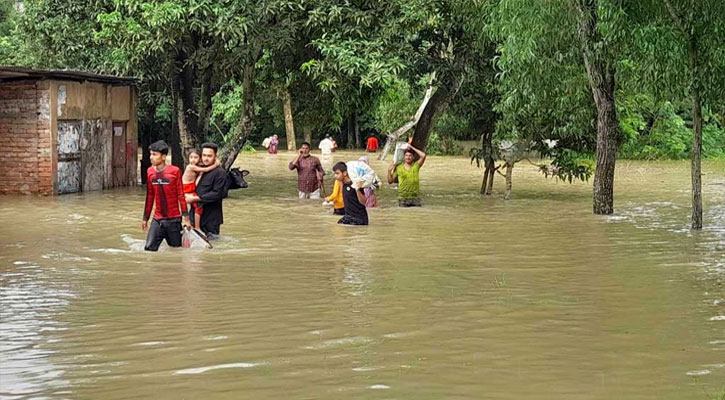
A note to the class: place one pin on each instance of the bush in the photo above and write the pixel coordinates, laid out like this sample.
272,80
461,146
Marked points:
668,137
445,145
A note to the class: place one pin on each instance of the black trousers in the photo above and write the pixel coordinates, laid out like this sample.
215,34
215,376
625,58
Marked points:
408,202
348,220
169,229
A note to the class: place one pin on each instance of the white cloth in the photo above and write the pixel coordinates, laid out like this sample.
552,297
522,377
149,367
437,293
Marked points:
265,142
361,172
326,146
311,195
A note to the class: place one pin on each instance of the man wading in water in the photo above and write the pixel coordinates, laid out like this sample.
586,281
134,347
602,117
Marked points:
163,187
309,173
210,190
408,175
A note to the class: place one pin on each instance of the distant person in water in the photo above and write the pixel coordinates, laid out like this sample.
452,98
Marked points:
408,175
326,145
273,144
192,174
372,144
309,173
164,188
210,190
353,196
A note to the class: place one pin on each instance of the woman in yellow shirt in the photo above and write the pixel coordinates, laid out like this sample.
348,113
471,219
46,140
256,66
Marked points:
336,198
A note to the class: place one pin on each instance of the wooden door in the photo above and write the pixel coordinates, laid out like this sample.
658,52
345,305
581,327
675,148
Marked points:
69,157
120,177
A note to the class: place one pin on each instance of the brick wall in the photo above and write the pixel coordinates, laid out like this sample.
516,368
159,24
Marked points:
25,138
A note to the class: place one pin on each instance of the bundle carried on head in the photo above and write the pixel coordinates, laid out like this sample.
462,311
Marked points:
359,171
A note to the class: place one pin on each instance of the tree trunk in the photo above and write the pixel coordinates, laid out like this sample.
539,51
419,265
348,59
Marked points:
307,132
146,129
177,155
438,102
350,132
696,138
391,138
231,149
289,125
489,163
207,91
492,173
601,74
509,179
186,121
356,124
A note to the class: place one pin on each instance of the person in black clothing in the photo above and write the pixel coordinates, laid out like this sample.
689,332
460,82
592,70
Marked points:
211,189
353,196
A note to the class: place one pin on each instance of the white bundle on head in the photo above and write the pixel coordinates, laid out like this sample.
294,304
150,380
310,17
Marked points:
359,171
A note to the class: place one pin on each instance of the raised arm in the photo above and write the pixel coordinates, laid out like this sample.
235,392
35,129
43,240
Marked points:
361,196
295,163
197,168
421,155
391,173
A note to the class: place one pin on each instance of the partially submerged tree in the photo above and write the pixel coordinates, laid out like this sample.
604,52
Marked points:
552,54
680,50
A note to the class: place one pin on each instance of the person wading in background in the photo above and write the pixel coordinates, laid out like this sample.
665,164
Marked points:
408,175
309,173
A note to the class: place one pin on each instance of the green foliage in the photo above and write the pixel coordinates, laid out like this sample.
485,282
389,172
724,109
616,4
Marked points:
226,104
248,148
569,165
654,131
443,145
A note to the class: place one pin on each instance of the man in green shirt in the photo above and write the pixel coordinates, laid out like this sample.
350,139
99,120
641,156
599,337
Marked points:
408,175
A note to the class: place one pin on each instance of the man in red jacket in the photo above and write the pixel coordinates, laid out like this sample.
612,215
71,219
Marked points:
372,144
163,187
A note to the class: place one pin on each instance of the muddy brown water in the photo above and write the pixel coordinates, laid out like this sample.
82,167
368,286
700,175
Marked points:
465,298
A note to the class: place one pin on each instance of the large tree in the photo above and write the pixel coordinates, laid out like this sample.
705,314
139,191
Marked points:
553,53
679,47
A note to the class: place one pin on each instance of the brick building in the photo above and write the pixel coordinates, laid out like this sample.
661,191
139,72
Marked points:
66,132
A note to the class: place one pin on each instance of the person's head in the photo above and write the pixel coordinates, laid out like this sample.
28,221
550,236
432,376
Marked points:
208,153
327,136
305,149
364,159
159,150
340,170
409,156
194,156
275,136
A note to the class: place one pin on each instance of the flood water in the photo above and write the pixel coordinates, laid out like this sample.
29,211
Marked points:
465,298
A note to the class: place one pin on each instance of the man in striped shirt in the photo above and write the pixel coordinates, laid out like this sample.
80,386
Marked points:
164,188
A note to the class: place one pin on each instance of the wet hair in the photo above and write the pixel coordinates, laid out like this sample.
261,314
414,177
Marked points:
340,166
306,144
160,147
410,151
193,151
210,145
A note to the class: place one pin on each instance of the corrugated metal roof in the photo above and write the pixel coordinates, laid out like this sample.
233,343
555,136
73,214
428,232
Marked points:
16,73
